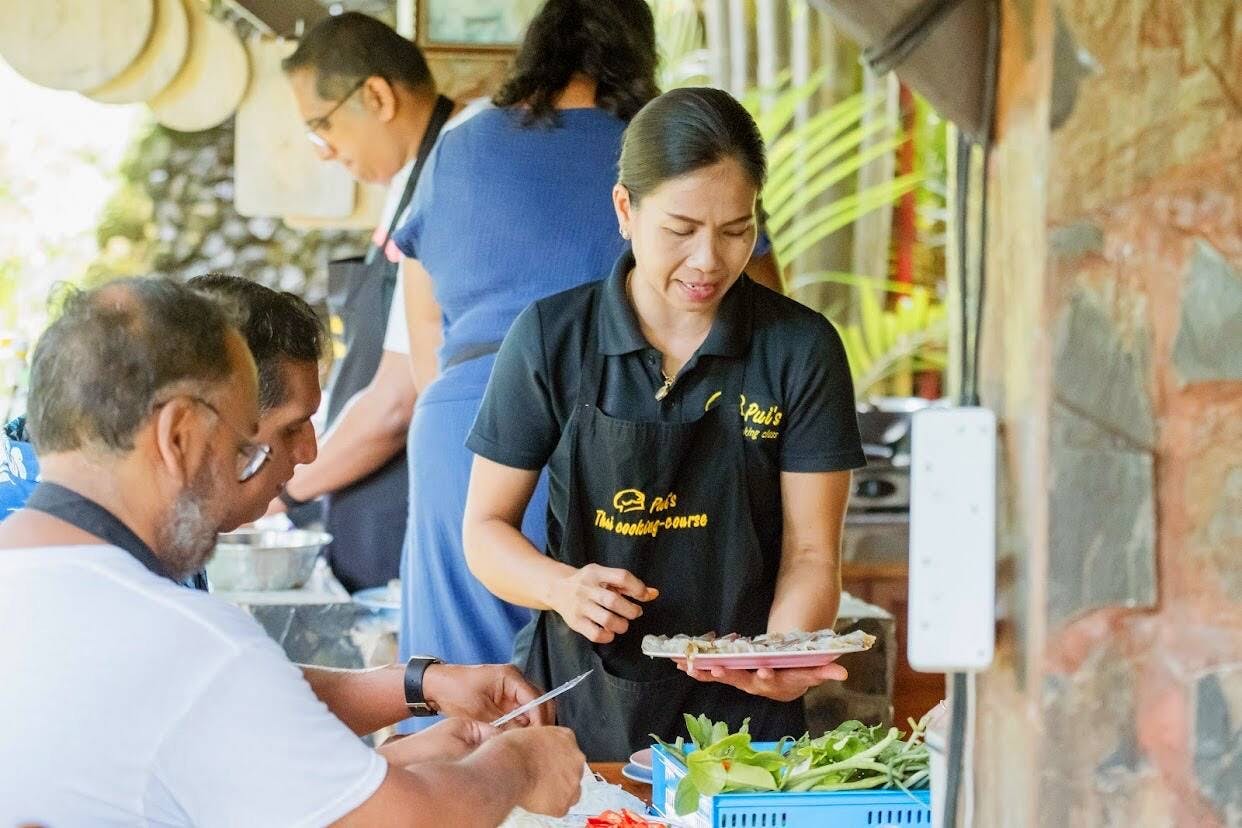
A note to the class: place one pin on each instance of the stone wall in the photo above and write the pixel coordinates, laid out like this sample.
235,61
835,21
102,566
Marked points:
174,215
1116,365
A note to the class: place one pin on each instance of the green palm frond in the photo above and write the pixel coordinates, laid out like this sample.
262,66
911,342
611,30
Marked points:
889,346
810,228
807,160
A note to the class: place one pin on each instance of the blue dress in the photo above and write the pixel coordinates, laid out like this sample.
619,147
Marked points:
19,472
505,214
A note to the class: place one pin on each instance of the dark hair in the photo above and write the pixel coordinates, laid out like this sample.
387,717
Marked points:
684,130
99,368
610,41
277,326
348,48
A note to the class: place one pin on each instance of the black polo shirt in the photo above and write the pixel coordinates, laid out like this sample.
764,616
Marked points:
797,401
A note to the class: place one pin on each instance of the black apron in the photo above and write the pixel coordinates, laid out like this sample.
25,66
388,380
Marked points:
705,559
87,515
367,518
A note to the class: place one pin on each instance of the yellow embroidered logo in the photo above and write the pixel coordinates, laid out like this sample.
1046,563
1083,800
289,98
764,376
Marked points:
661,508
629,500
759,422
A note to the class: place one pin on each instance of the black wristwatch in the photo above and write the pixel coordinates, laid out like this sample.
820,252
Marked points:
415,701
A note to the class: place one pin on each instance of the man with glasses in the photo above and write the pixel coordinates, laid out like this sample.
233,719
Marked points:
286,341
130,699
370,104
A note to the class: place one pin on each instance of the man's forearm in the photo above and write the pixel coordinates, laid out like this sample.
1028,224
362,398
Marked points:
478,791
365,700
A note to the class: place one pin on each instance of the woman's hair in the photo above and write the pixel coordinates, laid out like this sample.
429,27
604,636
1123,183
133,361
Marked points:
610,41
684,130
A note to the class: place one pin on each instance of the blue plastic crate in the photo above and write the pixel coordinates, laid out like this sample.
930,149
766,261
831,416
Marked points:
813,809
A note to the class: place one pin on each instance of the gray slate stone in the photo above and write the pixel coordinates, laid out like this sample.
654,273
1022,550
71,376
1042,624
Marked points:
1103,525
1099,376
1071,241
1217,742
1095,761
1209,339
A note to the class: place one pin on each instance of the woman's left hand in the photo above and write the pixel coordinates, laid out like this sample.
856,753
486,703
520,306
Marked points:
782,685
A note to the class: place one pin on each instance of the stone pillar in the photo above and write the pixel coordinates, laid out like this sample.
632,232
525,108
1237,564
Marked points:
1113,355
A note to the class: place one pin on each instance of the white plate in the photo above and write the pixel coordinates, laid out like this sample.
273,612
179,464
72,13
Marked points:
636,774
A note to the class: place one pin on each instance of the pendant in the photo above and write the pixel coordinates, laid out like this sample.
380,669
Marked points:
663,390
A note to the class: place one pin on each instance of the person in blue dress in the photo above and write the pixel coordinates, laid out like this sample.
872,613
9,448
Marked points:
513,206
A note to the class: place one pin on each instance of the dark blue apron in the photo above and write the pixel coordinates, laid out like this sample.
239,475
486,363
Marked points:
706,559
367,518
87,515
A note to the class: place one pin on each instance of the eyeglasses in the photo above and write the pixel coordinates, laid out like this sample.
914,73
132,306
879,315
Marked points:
250,457
316,125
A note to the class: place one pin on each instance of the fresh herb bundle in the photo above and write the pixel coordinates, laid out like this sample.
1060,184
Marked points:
851,757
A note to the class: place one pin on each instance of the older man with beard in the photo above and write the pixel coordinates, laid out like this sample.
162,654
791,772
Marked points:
130,699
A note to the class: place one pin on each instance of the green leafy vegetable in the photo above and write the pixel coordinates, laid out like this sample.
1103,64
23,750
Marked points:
854,756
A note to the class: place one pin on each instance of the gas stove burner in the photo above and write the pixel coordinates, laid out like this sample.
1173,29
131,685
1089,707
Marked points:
881,487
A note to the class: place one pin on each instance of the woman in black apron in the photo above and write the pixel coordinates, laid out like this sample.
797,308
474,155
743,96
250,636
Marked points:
698,431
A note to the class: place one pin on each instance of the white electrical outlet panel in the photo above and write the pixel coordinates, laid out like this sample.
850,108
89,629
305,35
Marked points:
952,602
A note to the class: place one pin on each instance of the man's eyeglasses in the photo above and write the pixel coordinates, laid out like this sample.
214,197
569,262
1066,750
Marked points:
317,125
250,457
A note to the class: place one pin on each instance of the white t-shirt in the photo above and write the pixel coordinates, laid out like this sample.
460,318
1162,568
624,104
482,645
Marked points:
396,334
129,700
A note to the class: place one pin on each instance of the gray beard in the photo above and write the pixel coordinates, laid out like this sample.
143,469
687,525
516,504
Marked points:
188,536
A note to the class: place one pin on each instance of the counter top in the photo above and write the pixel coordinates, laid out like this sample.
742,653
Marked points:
611,771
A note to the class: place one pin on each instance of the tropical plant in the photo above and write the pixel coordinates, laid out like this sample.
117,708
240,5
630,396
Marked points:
885,347
806,160
683,55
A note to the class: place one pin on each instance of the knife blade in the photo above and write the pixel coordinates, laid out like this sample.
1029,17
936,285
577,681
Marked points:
546,697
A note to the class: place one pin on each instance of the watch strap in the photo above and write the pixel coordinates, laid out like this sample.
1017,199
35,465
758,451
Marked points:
415,700
289,500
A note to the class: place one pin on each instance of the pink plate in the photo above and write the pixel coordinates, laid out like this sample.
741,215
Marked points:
753,661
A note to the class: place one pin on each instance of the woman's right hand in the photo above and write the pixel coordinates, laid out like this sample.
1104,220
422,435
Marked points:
593,601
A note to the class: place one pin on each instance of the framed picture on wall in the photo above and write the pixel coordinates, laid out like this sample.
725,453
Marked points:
474,24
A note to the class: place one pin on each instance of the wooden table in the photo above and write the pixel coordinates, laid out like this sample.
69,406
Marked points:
611,771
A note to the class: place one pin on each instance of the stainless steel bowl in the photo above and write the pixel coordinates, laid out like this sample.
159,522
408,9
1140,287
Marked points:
258,560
